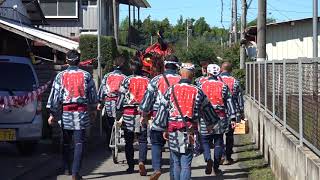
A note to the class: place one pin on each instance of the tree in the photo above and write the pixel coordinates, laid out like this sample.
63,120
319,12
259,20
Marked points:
124,25
254,22
201,26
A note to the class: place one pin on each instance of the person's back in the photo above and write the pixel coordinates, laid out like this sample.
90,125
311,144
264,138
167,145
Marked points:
108,94
180,111
132,90
150,105
234,87
73,91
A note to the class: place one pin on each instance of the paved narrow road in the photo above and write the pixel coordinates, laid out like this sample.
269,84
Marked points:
98,164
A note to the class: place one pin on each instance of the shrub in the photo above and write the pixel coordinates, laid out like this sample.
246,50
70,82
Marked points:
89,49
240,74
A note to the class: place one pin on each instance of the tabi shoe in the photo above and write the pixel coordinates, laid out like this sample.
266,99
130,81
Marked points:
216,172
222,160
228,162
130,170
155,175
209,167
77,177
142,169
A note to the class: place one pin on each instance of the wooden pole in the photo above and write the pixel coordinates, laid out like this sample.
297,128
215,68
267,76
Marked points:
115,21
243,27
129,29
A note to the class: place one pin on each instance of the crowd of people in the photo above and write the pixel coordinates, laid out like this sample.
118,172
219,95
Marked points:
191,117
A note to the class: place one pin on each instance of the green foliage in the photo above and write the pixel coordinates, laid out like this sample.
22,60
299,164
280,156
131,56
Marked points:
198,50
241,75
254,161
232,55
89,49
201,26
126,52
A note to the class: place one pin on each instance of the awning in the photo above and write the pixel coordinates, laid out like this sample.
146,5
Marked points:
54,41
137,3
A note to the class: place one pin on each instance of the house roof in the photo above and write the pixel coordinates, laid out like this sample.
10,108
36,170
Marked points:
291,21
34,11
54,41
251,28
137,3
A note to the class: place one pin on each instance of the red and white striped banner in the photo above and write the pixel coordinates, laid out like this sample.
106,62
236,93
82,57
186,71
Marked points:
7,102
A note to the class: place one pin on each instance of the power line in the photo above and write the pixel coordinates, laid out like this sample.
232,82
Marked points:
278,11
304,12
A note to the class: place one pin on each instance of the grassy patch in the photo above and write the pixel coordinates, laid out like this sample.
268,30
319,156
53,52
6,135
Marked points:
253,161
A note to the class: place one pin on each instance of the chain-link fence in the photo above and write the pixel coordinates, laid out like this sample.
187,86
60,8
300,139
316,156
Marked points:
289,92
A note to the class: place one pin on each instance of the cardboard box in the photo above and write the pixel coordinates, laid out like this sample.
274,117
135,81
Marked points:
242,127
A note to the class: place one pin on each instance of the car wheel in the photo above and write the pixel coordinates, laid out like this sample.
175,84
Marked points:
26,147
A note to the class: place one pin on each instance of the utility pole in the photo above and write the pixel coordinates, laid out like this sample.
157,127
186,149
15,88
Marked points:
115,21
188,32
99,55
231,26
235,20
243,27
315,28
261,29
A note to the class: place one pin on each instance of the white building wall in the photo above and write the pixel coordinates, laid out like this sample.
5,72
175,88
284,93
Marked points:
290,40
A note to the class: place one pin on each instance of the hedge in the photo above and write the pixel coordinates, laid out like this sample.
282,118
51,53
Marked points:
88,47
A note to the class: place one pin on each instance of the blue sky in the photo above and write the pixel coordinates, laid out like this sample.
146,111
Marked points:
281,10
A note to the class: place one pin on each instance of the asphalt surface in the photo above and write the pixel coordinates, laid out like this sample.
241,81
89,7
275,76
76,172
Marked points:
97,164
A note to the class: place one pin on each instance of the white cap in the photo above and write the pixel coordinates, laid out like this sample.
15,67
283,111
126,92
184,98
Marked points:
188,66
213,69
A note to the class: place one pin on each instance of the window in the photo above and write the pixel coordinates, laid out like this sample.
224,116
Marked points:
16,77
59,8
89,2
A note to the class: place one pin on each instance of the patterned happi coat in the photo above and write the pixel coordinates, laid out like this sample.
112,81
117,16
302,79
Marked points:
235,89
132,90
220,97
155,92
109,91
200,80
194,105
72,86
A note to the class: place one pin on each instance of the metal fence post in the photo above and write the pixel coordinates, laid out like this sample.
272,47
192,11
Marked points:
300,102
273,91
254,81
250,80
259,82
247,76
284,95
265,85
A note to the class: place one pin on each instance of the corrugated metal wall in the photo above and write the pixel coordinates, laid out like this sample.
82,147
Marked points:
290,41
87,21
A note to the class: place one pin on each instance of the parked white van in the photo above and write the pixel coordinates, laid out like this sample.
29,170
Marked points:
22,126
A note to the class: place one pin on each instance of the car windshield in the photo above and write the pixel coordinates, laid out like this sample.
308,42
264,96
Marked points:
16,77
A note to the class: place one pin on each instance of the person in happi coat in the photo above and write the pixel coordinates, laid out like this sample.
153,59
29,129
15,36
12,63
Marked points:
109,92
150,105
132,90
237,96
200,80
74,95
219,95
179,113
